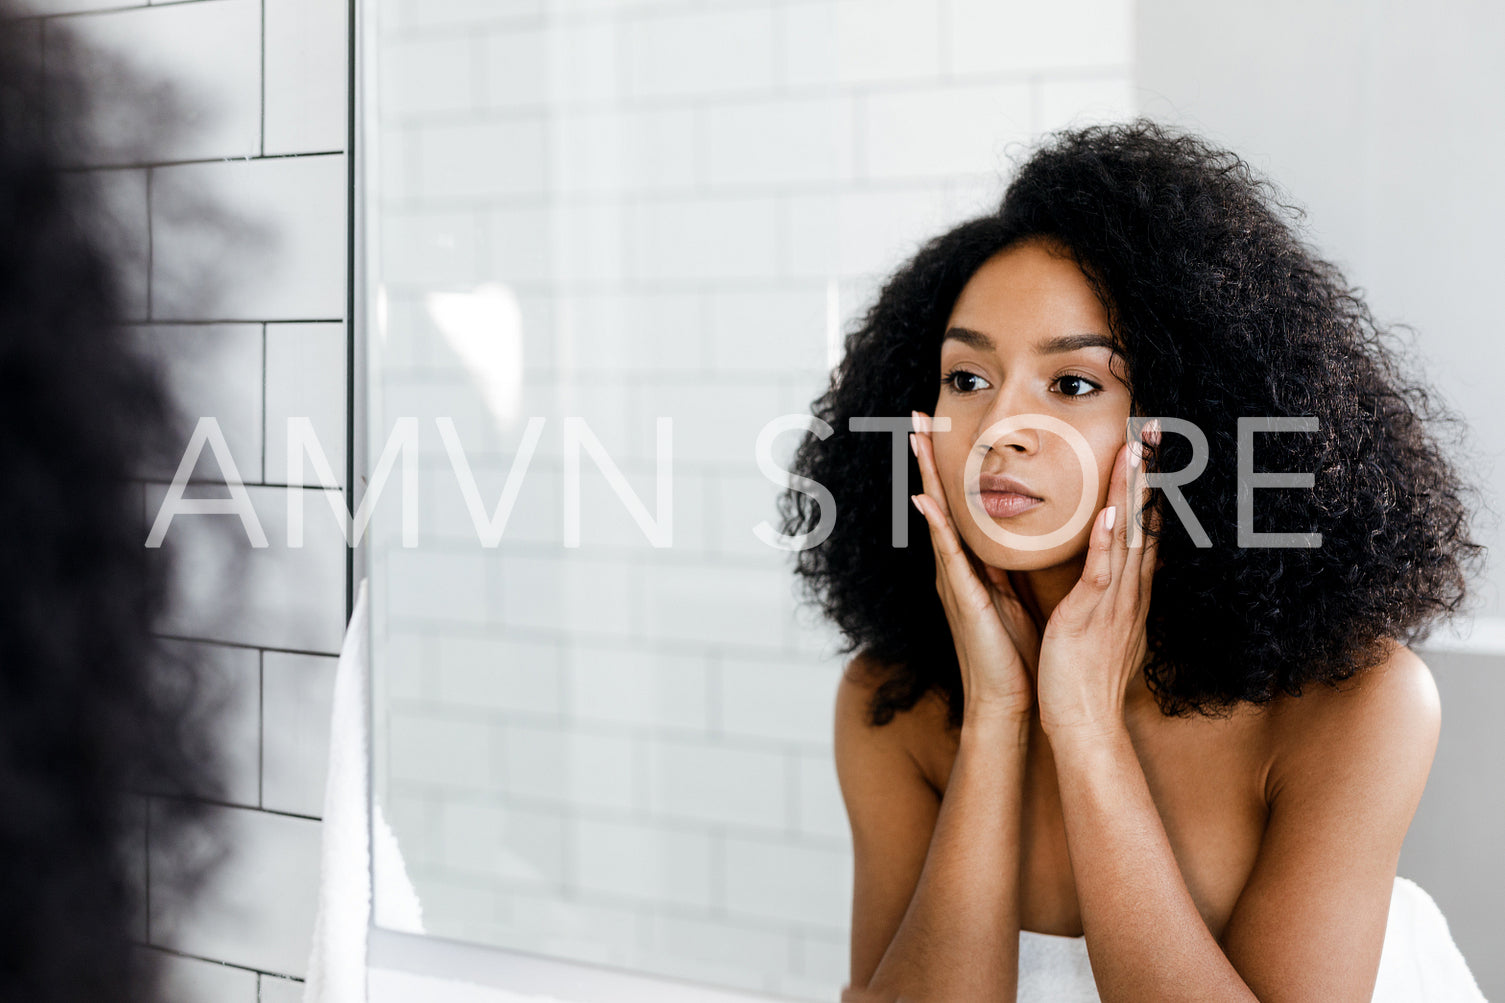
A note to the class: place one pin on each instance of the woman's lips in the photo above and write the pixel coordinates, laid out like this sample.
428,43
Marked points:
1003,504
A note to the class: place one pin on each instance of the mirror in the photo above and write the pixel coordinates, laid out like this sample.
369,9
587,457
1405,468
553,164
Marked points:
608,240
612,246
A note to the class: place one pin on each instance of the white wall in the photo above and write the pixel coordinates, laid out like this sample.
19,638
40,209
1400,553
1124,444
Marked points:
268,145
1380,120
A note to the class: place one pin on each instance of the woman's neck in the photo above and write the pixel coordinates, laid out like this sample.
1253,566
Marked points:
1040,591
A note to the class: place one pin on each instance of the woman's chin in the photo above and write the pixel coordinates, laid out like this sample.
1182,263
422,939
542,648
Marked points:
1023,561
1005,558
981,537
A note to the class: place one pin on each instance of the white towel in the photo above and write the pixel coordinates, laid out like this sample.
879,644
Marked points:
1054,969
337,957
1419,962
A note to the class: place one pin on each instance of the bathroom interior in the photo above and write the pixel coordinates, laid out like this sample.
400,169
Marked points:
587,758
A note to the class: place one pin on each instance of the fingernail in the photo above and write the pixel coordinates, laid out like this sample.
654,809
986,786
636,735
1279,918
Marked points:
1134,448
912,447
1112,514
914,418
915,501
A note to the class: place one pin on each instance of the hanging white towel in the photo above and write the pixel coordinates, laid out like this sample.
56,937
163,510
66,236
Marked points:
337,958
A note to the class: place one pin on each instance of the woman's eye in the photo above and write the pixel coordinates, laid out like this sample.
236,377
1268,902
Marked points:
951,378
964,382
1077,386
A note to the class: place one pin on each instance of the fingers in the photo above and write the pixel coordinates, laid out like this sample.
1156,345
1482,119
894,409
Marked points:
955,570
921,445
1131,549
947,547
950,560
1119,485
1149,561
1097,572
1136,552
956,579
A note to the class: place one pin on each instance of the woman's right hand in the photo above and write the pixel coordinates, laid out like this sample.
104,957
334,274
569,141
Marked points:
997,642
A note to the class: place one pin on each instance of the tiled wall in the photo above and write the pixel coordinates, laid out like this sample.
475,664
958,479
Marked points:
268,144
618,752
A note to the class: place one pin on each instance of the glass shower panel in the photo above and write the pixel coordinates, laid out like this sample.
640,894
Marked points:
613,243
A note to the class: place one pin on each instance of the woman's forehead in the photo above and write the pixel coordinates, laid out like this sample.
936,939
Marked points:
1028,291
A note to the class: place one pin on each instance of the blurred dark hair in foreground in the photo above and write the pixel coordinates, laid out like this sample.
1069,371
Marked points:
102,722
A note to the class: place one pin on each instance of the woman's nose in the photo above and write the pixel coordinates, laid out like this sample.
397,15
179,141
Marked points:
1009,424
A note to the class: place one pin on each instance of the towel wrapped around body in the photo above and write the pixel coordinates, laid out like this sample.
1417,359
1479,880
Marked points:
1419,962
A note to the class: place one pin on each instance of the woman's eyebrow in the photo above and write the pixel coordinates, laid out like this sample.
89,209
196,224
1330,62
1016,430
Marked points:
967,336
1050,346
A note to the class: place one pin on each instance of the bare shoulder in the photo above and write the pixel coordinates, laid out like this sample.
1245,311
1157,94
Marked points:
1351,763
921,731
864,674
1386,718
891,805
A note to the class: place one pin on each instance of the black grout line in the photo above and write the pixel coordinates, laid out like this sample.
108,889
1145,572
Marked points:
239,807
140,164
230,320
263,139
200,957
264,648
352,215
150,278
146,840
118,8
265,424
202,482
261,727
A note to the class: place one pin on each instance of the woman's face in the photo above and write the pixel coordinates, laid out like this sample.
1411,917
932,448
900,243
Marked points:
1028,336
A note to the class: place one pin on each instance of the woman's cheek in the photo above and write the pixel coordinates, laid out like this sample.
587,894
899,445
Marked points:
1105,461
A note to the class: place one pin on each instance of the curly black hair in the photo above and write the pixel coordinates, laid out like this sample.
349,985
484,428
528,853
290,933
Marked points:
97,710
1222,311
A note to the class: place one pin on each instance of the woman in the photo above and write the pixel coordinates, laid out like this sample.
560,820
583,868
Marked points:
1093,723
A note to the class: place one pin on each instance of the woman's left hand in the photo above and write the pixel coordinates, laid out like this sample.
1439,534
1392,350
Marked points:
1095,642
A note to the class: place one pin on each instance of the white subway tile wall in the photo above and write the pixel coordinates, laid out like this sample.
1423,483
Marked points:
275,989
193,979
125,194
306,98
282,255
290,598
617,752
232,692
258,910
297,693
216,372
305,378
244,298
213,53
